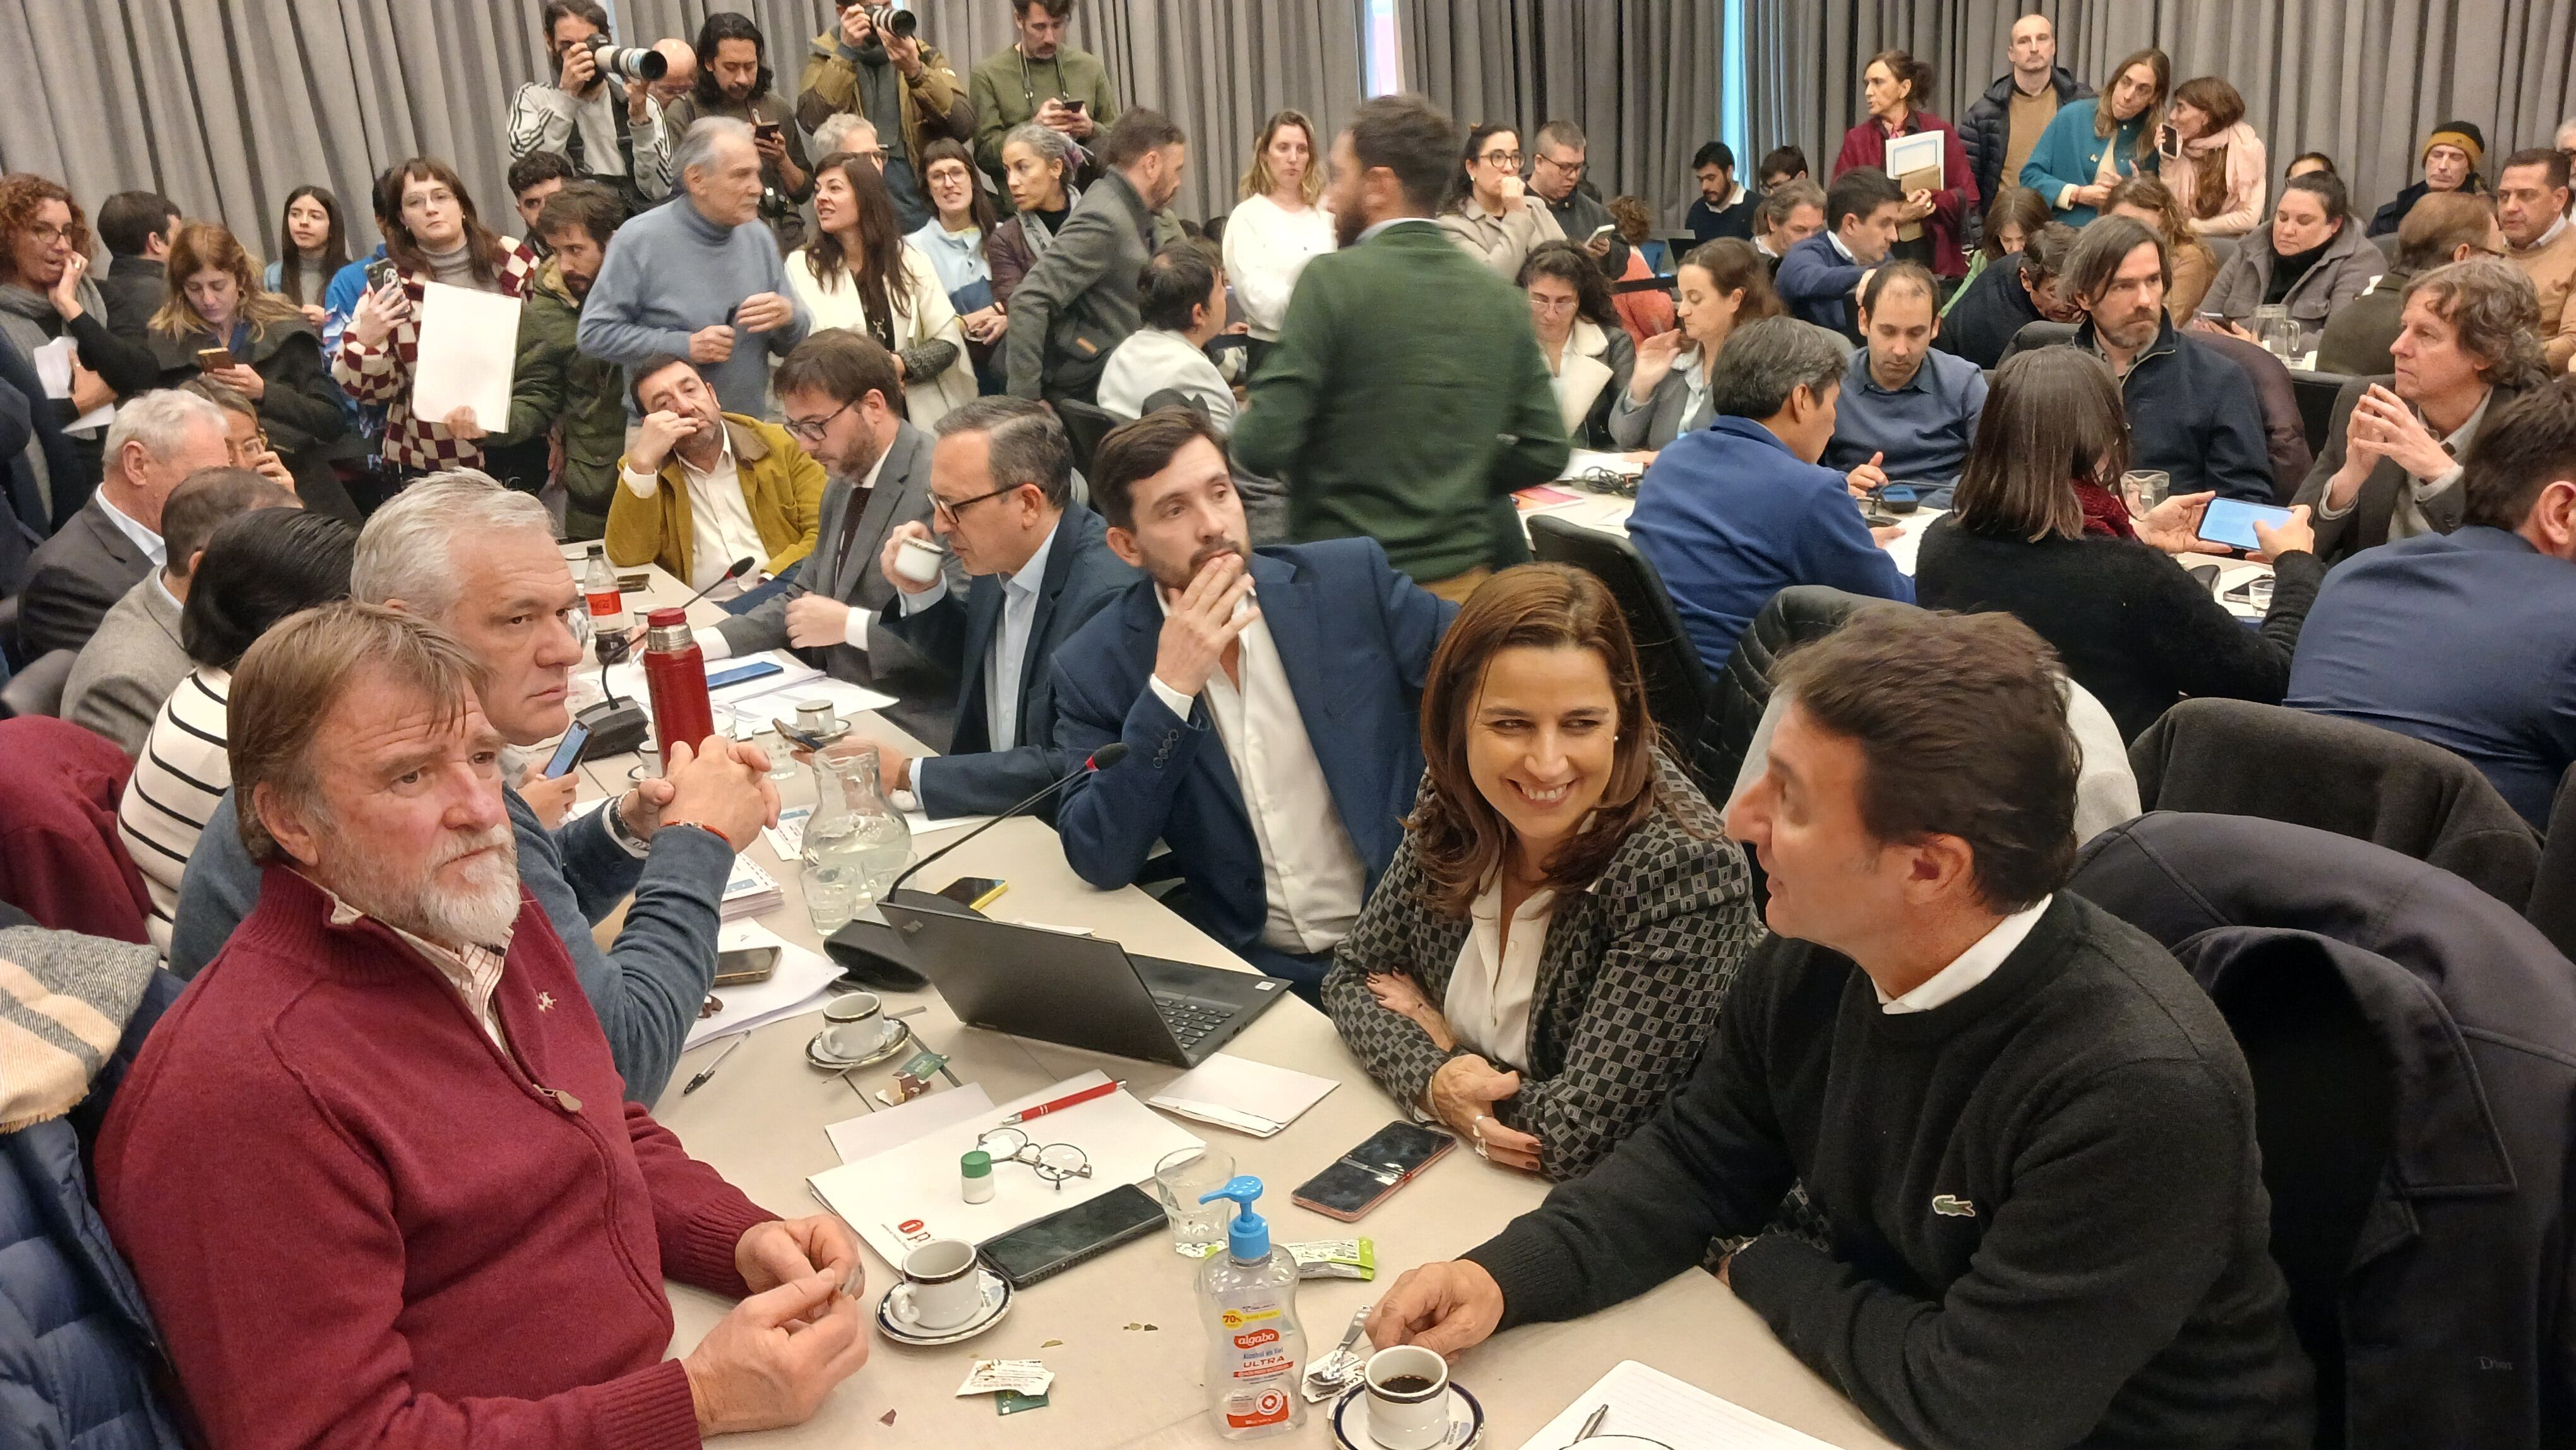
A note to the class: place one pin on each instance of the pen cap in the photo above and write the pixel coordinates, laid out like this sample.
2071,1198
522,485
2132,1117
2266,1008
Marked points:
1247,1239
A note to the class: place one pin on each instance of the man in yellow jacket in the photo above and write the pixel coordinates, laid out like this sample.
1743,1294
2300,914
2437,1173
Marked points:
703,487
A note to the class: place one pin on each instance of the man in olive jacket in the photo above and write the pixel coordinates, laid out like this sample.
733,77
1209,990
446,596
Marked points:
906,88
554,378
1406,397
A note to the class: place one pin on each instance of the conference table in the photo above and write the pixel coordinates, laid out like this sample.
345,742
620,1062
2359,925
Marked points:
1122,1332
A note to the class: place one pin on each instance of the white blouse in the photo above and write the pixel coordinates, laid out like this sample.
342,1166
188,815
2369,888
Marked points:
922,314
1266,247
1488,1005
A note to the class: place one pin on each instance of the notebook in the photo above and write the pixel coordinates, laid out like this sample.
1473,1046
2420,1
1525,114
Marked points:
1650,1403
1238,1093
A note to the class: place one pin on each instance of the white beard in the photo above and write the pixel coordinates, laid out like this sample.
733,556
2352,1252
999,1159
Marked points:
479,913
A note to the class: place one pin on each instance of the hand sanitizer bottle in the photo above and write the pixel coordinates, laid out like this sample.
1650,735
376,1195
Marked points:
1248,1295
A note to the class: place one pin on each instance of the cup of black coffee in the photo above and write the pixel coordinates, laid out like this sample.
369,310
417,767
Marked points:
1408,1390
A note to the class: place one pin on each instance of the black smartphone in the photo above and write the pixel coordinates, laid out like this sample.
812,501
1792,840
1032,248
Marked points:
745,967
380,274
1057,1242
1076,106
568,753
974,892
767,131
1362,1178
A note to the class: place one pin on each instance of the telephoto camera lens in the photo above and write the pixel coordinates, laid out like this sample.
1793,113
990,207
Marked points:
634,63
898,23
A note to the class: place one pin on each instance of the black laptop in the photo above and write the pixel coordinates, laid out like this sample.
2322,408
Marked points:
1080,991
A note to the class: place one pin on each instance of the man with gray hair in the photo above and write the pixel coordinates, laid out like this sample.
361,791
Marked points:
480,560
380,1180
700,278
114,542
1740,510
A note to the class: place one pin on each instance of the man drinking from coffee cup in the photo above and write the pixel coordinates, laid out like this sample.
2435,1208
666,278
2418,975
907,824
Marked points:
1001,491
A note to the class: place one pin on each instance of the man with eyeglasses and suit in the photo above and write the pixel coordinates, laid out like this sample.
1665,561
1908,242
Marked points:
843,402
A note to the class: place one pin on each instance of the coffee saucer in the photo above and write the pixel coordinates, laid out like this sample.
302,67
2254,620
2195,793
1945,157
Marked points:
894,1313
1351,1417
821,1057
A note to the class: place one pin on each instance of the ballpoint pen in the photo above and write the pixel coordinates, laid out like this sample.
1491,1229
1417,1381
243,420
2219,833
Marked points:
709,1070
1097,1090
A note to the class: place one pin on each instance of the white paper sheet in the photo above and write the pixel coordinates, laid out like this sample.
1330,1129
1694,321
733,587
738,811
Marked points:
780,697
887,1129
54,369
1918,152
1238,1093
469,346
1646,1401
908,1195
801,984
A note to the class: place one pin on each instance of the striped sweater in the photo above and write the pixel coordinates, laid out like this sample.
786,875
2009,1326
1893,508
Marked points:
178,780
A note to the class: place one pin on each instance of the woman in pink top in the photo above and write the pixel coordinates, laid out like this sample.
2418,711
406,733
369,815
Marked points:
2212,161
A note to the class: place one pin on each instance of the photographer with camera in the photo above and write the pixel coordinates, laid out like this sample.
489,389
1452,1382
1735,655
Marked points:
599,112
874,64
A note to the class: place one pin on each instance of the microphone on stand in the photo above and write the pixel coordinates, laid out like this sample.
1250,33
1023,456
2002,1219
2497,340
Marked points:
616,725
736,570
867,950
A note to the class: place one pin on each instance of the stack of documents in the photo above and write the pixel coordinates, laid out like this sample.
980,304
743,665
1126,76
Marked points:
750,891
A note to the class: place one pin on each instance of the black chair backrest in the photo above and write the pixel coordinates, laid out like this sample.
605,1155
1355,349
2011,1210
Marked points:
2284,425
2317,393
2325,1103
1085,424
2038,335
2553,890
1794,616
1677,683
38,689
1162,398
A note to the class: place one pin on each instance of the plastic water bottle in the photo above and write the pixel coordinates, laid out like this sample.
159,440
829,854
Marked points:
1256,1351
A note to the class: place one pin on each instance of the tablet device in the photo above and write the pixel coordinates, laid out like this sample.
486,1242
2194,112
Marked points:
1057,1242
2230,521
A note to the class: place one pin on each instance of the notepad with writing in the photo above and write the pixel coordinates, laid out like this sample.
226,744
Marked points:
1648,1402
1238,1093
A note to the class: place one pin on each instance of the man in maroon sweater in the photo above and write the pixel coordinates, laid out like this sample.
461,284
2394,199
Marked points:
373,1170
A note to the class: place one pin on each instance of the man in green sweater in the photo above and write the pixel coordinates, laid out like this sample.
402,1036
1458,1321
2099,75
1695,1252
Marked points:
1406,397
559,393
2029,1134
1040,78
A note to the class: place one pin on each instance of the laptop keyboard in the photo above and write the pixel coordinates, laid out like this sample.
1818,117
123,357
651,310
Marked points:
1190,1021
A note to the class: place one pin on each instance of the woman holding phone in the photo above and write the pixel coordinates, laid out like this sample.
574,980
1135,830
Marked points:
217,320
2039,531
1547,953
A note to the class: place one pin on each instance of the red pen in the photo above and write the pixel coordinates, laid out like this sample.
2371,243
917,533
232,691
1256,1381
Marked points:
1072,1100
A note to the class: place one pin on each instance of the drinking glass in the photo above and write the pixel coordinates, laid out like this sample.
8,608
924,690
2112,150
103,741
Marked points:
1180,1179
2143,489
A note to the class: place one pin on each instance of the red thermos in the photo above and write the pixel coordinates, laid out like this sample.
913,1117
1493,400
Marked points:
675,676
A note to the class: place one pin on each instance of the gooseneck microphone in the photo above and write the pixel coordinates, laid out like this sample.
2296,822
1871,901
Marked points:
1101,759
740,567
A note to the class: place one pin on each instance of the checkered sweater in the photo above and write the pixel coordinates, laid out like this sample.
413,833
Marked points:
1628,984
382,375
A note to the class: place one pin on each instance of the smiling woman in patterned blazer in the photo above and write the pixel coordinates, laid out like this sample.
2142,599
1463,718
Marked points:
1546,955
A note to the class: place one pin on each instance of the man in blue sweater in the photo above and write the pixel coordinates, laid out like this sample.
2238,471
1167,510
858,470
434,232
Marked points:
482,561
2468,639
701,277
1739,511
1820,278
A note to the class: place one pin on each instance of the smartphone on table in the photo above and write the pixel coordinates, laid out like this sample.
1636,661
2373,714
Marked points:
745,967
2230,521
1364,1177
975,892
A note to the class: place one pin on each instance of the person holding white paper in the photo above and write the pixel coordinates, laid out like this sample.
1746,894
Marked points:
1940,192
432,234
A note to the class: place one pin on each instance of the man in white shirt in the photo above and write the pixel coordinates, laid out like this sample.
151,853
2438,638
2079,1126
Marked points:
705,488
1283,821
608,126
1001,487
1180,297
114,542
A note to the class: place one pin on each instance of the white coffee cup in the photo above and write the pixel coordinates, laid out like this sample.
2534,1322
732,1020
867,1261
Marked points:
854,1025
1415,1417
918,559
941,1281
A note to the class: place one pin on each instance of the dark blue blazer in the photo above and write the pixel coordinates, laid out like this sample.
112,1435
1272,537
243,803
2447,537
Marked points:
973,779
1356,637
1815,284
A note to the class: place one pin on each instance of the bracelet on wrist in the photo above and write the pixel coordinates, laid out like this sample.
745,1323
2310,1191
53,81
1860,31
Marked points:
698,826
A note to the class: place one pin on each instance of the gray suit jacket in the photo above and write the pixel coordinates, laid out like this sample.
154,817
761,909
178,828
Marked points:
2365,524
129,667
75,578
850,574
1079,302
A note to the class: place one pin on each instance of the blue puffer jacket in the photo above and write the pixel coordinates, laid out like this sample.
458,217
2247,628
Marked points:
78,1354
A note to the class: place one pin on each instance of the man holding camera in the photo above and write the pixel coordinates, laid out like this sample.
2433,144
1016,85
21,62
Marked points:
875,65
598,113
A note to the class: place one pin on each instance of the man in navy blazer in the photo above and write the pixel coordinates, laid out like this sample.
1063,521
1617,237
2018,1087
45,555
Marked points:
1001,491
2464,639
1820,278
1268,701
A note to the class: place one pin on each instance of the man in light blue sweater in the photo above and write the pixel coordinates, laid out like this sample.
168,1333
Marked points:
481,560
700,278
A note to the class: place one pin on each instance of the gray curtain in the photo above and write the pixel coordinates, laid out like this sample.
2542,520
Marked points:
1639,76
2361,80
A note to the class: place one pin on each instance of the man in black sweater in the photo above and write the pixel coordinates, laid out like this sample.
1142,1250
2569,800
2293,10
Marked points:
2028,1133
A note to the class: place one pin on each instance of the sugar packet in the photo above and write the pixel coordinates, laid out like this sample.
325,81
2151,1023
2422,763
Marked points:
1021,1376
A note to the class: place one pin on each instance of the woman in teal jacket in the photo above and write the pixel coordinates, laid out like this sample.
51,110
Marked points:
2068,164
